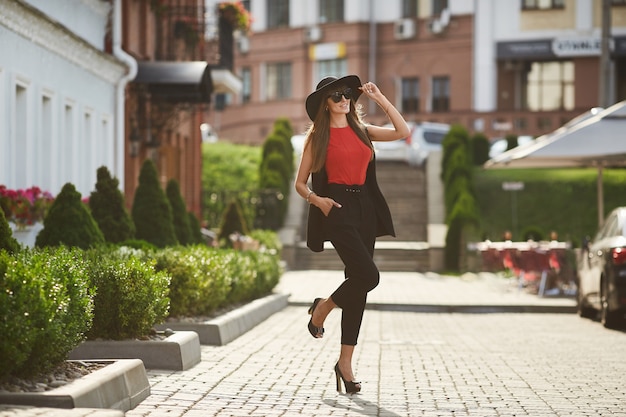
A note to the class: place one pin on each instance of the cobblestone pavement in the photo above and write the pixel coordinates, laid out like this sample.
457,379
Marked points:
410,363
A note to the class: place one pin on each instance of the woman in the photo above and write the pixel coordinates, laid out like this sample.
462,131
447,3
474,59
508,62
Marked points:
346,205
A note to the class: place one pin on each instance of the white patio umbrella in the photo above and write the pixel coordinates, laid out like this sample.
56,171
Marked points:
598,140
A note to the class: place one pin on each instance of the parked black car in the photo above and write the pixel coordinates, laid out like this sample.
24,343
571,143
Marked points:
602,272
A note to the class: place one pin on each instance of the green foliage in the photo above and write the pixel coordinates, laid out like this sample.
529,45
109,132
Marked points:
194,224
151,211
533,233
107,208
69,223
229,172
552,199
131,296
45,308
138,244
461,208
267,239
480,148
179,213
7,242
205,279
233,222
276,172
511,141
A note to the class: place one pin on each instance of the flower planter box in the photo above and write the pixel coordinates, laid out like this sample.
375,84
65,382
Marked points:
178,352
122,385
228,327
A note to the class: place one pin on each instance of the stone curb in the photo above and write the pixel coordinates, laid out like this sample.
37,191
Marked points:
228,327
469,309
27,411
122,385
177,352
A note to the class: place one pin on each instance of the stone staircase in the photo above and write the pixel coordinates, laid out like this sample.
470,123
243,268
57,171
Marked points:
404,188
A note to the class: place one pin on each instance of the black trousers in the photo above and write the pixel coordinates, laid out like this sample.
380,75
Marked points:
352,231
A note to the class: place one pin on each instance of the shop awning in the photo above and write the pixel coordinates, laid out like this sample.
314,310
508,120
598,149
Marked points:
189,81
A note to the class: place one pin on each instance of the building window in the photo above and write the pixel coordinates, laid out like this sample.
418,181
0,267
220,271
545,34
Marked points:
618,2
246,87
410,95
331,11
409,8
278,82
277,13
246,4
542,4
439,6
550,86
331,67
441,94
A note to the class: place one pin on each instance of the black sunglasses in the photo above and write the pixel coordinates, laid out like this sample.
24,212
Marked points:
336,96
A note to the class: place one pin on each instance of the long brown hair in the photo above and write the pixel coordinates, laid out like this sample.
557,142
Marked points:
318,134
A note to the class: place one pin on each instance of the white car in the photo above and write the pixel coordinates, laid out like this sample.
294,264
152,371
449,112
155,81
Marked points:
499,146
425,137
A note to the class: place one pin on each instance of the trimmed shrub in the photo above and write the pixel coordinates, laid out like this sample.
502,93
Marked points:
179,213
108,210
69,223
45,309
7,241
480,149
196,228
151,211
205,279
232,222
130,295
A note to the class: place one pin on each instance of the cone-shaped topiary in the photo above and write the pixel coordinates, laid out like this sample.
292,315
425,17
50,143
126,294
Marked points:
151,211
196,228
179,213
232,222
107,209
69,223
7,241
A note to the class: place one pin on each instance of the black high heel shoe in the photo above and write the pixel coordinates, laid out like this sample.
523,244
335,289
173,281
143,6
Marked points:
316,332
351,386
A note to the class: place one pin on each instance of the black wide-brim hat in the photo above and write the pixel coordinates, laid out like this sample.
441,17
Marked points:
313,101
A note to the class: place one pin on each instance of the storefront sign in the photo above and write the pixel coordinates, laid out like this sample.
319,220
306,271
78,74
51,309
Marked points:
325,51
541,48
584,46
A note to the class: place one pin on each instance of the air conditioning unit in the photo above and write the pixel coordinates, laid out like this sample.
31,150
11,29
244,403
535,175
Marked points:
243,44
404,29
436,27
312,34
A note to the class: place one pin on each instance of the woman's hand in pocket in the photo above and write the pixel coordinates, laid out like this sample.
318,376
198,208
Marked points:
326,204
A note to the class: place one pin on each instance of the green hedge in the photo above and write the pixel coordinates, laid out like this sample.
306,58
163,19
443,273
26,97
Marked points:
45,308
203,280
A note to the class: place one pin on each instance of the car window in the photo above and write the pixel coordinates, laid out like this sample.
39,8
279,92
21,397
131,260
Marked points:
434,137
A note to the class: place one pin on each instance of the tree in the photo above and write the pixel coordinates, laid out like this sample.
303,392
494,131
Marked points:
7,241
151,211
179,213
232,222
107,208
69,223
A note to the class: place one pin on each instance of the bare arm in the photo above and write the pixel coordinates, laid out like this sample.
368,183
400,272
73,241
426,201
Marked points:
301,184
400,128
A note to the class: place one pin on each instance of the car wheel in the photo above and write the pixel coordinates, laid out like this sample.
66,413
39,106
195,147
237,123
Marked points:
609,319
583,309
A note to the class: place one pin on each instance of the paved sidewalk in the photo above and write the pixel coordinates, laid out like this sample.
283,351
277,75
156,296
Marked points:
412,291
411,363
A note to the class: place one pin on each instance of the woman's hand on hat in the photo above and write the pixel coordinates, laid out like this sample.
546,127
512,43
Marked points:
370,89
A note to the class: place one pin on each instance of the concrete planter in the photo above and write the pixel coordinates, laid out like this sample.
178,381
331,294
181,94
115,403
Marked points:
122,385
177,352
228,327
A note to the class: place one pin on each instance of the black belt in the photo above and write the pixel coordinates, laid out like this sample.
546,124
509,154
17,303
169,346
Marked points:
347,188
